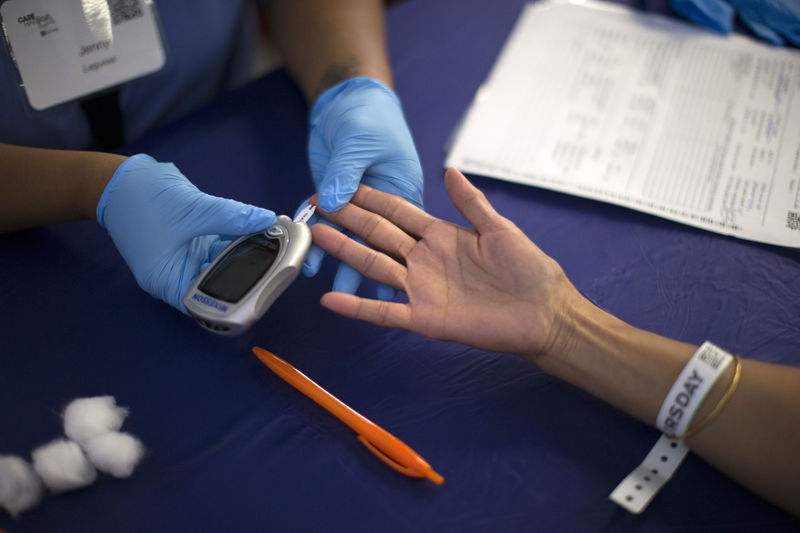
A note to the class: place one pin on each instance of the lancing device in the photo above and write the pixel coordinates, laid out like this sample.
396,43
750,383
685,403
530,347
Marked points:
245,279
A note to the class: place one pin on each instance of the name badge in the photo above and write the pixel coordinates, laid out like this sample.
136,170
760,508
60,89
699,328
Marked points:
66,49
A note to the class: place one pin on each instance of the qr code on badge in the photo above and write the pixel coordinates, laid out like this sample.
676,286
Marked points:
712,357
122,10
793,220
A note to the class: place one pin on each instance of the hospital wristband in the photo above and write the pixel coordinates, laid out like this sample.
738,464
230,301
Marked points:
690,389
737,376
707,364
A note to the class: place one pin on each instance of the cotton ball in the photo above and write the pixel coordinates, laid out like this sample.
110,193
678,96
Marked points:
115,453
62,465
20,487
86,418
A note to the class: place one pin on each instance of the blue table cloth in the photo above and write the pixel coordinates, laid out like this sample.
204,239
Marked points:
231,447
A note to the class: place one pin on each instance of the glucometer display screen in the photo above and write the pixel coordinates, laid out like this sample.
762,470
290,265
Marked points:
241,268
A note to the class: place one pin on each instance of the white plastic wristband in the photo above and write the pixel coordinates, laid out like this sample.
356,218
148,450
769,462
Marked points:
639,487
690,389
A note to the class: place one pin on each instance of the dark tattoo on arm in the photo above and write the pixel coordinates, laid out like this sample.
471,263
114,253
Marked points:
338,73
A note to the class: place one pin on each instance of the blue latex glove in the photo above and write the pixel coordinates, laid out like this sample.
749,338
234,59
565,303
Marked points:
772,20
358,134
167,230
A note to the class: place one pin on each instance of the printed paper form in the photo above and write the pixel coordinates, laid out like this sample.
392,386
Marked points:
643,111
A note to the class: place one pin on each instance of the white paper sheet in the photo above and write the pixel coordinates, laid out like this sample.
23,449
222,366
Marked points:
639,110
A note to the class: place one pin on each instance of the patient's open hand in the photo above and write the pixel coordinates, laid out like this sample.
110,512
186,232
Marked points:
490,287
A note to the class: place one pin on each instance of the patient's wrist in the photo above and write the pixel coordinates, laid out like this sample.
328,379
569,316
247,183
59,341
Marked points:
625,366
566,332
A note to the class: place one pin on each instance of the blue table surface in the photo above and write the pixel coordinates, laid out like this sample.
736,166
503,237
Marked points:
231,447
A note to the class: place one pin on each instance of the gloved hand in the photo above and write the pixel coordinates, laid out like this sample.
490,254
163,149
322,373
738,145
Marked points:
166,229
358,134
772,20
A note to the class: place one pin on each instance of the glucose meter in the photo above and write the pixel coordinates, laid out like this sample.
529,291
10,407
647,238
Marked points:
245,279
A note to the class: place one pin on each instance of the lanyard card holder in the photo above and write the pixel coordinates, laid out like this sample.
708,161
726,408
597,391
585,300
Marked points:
69,49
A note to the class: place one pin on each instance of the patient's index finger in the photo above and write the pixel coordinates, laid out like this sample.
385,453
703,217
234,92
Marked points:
374,229
401,213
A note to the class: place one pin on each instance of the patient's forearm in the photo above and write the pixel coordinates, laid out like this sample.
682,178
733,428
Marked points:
756,436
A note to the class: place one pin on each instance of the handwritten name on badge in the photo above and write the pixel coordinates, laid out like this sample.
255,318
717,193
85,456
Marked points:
105,44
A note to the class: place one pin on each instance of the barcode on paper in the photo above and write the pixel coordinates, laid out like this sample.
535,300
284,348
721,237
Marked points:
123,10
793,220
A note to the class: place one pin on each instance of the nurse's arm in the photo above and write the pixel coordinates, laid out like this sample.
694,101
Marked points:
323,43
40,186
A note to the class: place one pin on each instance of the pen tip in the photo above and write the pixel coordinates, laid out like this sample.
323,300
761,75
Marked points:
265,356
435,477
261,352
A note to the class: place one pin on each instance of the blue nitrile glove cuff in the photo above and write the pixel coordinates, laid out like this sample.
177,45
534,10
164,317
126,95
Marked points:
350,84
103,202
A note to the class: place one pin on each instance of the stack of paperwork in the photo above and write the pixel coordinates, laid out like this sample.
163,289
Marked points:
639,110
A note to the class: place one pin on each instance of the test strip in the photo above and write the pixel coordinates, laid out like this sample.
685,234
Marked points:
304,214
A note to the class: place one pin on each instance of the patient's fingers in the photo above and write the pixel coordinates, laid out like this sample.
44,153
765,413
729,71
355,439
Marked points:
370,263
390,314
401,213
471,202
374,229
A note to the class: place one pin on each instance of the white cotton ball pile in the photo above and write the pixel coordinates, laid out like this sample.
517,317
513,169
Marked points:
20,487
93,422
115,453
63,466
86,418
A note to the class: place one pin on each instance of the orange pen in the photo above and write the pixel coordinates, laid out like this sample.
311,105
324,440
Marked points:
383,444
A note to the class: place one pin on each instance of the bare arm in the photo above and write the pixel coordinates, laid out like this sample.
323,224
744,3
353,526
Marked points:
494,289
39,186
754,439
324,42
